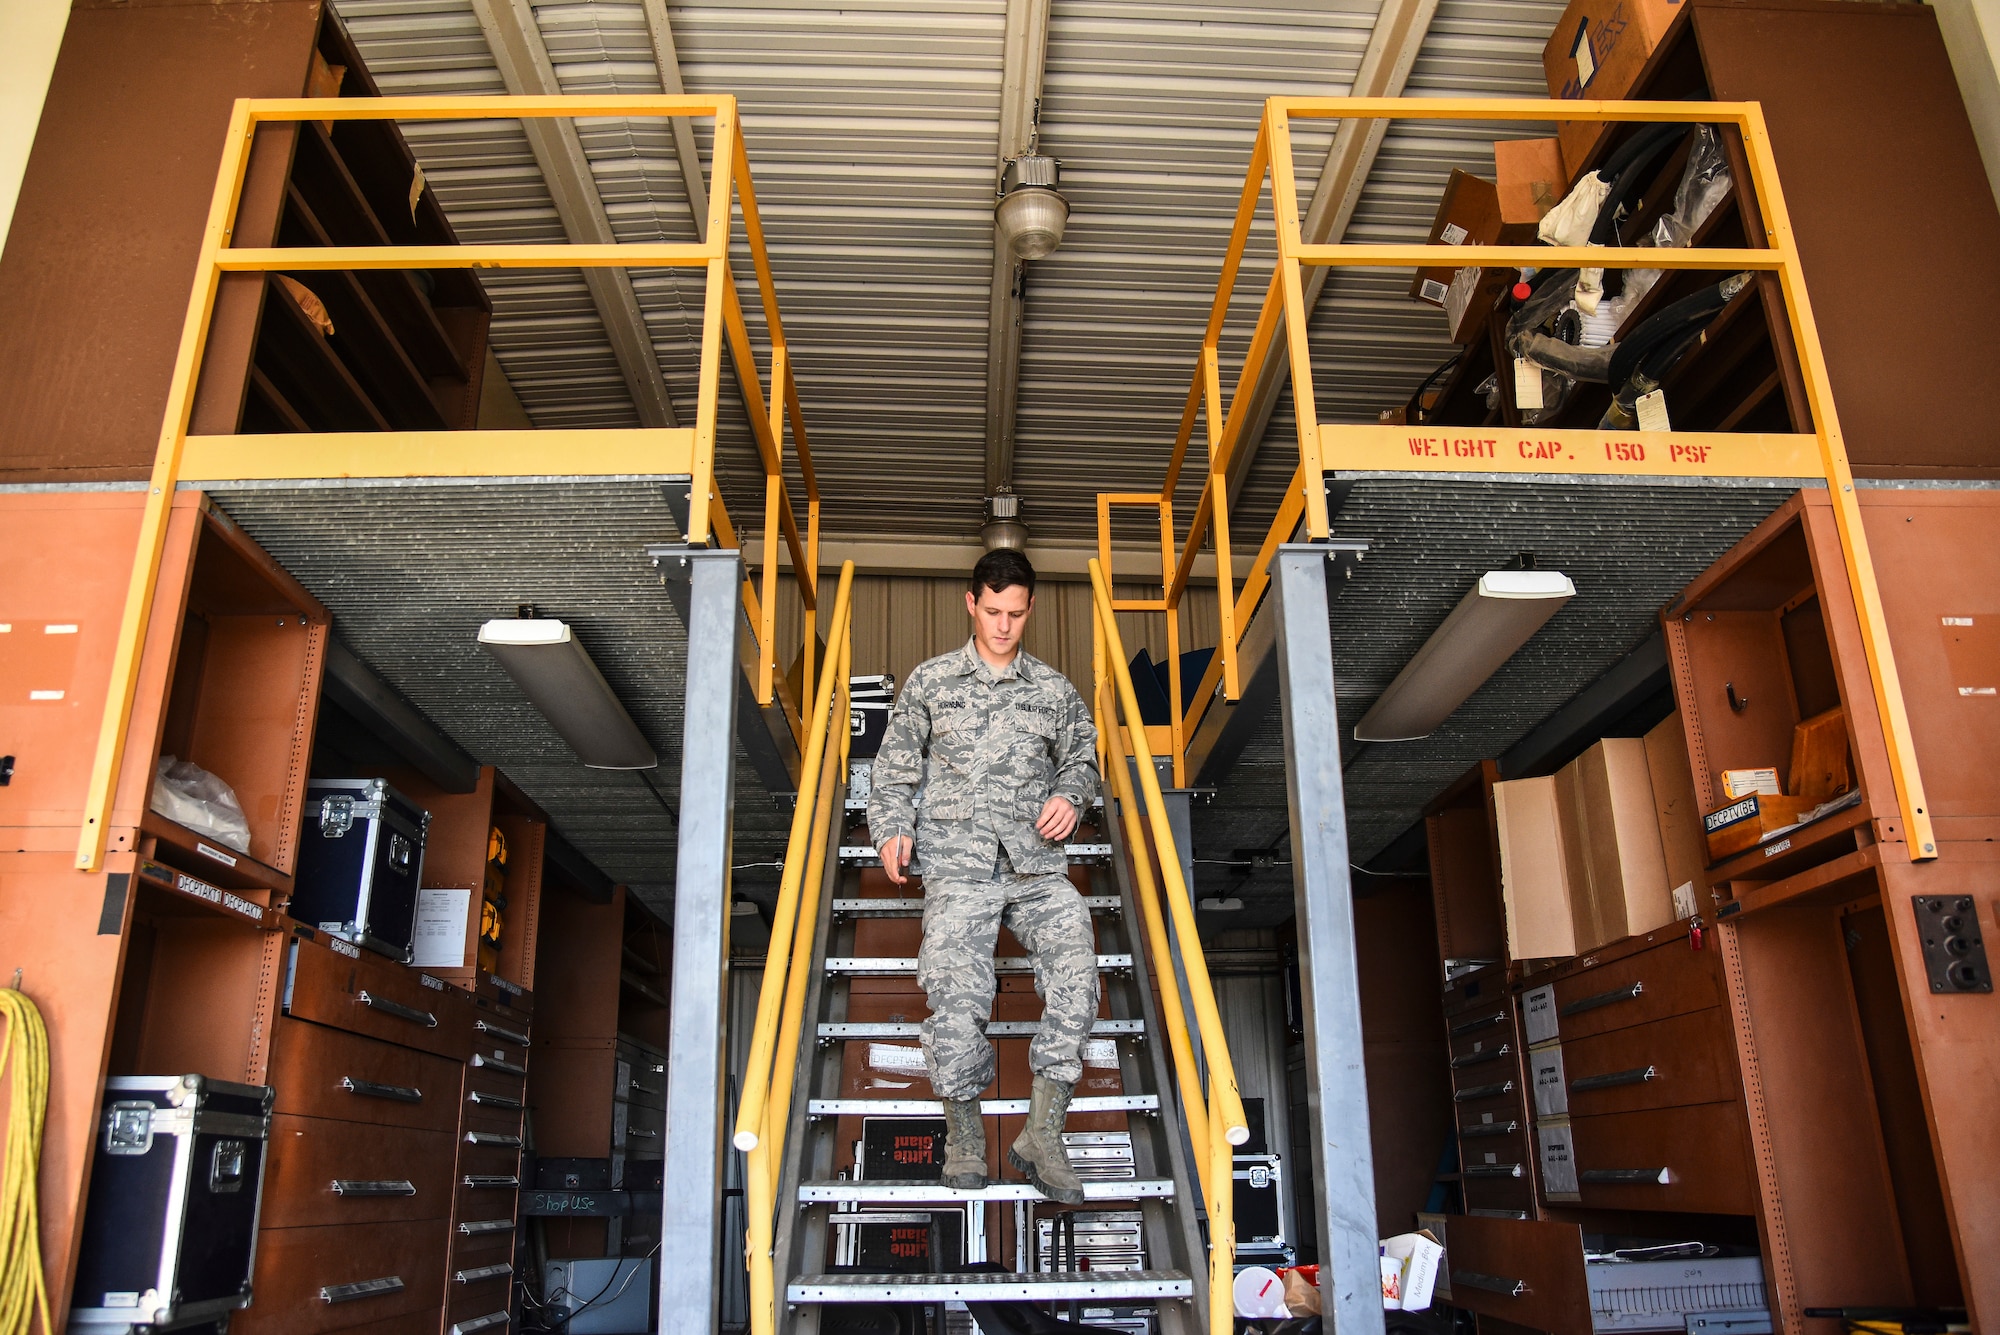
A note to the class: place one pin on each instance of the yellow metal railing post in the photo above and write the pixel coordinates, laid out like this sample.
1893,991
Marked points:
1216,1124
775,1036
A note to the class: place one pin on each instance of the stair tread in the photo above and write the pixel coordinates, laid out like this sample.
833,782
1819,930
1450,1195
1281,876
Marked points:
994,1029
987,1286
901,964
889,1193
883,907
863,855
1084,1103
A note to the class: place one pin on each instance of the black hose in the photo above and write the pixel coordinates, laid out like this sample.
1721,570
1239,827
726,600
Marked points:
1665,325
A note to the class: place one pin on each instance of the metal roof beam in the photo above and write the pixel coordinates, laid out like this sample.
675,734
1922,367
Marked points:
667,57
1027,43
1400,28
523,58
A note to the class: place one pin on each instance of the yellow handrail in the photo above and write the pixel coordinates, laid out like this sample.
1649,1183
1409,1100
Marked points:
1218,1125
774,1042
180,457
1282,329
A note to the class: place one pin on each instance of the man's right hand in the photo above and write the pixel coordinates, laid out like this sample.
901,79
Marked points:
896,856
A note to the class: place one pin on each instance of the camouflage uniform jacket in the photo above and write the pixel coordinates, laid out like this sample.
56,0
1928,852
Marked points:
988,748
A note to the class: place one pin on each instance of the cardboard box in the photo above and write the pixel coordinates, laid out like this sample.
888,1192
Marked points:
1470,214
1743,782
1748,821
1625,889
1675,807
1534,882
1471,298
1819,757
1529,180
1596,52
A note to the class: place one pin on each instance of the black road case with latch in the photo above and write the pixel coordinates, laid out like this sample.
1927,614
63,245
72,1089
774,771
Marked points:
869,700
170,1229
361,860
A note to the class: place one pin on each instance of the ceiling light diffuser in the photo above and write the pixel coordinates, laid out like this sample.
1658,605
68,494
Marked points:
1499,615
553,670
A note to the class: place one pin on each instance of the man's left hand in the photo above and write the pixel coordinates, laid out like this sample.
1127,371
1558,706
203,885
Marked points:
1058,818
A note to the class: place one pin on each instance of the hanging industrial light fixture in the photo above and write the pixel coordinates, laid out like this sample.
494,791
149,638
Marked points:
1031,211
1003,526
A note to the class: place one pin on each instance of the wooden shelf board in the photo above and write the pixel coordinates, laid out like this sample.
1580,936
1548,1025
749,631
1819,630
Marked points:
244,873
1828,883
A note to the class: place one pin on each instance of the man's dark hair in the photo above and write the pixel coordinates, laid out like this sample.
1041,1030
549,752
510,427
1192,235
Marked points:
1002,568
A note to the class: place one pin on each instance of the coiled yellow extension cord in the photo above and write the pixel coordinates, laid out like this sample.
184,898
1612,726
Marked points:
23,1292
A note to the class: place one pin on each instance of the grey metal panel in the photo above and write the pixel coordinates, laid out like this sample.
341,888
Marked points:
1329,975
691,1215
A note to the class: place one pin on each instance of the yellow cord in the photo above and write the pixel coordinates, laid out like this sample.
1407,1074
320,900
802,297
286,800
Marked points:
27,1051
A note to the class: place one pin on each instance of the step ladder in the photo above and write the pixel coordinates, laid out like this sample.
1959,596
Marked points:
1166,1287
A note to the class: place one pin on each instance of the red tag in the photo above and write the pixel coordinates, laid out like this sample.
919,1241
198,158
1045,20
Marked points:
1694,933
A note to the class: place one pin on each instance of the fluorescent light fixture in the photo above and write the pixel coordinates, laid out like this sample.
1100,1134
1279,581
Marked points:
555,672
1230,904
1500,615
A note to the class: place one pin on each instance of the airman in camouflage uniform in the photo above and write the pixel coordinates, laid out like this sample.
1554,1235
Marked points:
1005,758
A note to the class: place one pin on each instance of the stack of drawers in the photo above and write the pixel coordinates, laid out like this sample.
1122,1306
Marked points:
487,1180
1489,1095
1639,1100
367,1060
389,1199
638,1112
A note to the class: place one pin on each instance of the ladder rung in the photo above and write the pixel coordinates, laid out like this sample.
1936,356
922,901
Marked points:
1105,1286
994,1029
914,908
861,855
936,1193
1089,1103
889,965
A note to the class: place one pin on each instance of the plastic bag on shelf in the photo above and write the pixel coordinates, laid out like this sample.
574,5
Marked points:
1703,184
189,795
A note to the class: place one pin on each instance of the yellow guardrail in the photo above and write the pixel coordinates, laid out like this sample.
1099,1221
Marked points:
761,1118
771,399
1215,1124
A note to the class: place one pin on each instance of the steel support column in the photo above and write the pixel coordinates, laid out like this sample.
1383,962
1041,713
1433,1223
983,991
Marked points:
691,1217
1329,978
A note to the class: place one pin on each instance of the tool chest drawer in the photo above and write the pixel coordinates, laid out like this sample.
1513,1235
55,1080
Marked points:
325,985
1513,1197
324,1072
638,1130
468,1299
1695,1159
314,1280
326,1172
1488,1050
1682,1060
1528,1272
1667,980
495,1121
494,1090
484,1154
486,1195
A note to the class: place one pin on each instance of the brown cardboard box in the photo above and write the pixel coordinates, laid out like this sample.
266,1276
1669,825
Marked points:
1620,34
1529,180
1628,891
1470,214
1534,883
1749,821
1675,805
1585,913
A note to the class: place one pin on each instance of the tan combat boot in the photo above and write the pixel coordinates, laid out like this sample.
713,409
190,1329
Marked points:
964,1145
1038,1151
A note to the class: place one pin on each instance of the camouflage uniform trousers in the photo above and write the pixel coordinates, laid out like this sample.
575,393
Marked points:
962,919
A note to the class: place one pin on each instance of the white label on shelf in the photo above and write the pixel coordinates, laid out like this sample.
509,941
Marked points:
1558,1160
1538,1014
347,948
58,630
434,984
45,695
439,940
1782,846
1452,235
1684,901
238,904
1979,690
1527,385
188,885
1433,291
1653,411
1551,1090
1949,621
226,859
895,1057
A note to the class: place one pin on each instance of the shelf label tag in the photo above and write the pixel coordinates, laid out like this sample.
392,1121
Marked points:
1653,411
1527,385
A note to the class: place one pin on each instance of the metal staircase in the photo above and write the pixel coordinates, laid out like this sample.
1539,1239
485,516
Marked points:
1151,1129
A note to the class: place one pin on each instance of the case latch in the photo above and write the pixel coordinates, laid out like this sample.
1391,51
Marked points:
128,1128
336,816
